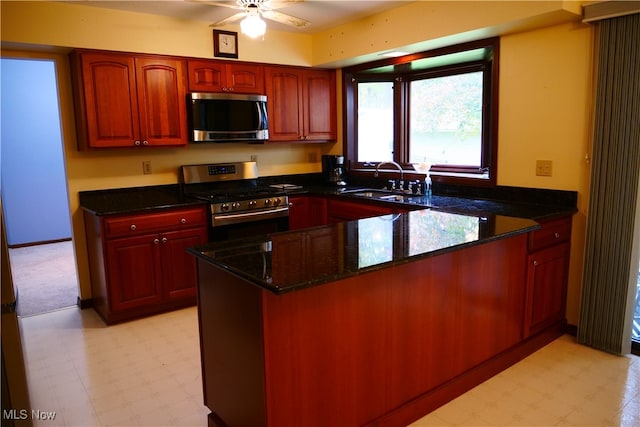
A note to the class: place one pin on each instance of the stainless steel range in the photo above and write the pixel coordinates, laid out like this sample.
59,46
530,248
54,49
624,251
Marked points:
239,206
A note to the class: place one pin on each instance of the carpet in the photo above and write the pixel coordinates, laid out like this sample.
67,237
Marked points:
44,277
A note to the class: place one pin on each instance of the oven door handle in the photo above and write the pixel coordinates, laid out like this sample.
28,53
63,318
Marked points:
230,219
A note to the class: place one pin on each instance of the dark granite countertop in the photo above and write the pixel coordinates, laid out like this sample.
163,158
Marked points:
537,204
134,199
448,221
357,247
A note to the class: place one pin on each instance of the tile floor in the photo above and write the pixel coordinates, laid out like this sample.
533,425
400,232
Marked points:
147,373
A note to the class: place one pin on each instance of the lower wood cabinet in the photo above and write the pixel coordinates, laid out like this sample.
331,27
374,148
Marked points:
139,265
307,211
547,275
341,210
311,211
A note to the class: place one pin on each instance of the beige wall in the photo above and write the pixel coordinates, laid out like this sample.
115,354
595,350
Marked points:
545,90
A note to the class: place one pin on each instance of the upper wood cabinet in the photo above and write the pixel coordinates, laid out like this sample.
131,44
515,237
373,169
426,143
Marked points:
221,76
301,103
125,100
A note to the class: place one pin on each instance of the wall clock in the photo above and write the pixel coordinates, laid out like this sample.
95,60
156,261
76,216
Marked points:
225,44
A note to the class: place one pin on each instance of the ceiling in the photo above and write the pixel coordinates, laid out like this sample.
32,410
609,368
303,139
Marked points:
323,14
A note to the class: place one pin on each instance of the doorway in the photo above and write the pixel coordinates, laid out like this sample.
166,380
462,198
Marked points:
34,188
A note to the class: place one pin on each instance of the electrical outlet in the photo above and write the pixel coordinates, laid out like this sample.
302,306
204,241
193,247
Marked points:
254,158
146,167
543,167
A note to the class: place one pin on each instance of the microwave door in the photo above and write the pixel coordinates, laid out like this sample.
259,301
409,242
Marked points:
262,115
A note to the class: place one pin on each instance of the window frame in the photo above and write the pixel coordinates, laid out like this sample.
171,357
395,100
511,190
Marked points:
398,70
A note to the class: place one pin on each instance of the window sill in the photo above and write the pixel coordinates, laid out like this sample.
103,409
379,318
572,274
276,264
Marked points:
412,173
466,179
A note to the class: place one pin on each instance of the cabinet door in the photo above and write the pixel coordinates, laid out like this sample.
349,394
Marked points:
317,211
133,270
179,267
340,211
546,288
319,105
219,76
161,87
245,78
106,100
307,211
299,213
206,76
284,104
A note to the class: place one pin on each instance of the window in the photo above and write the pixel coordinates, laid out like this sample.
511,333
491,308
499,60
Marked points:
437,107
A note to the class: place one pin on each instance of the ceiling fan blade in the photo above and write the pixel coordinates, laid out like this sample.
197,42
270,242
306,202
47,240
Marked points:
278,4
285,19
229,20
230,4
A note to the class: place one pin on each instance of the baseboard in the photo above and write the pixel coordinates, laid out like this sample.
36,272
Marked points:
45,242
571,330
85,303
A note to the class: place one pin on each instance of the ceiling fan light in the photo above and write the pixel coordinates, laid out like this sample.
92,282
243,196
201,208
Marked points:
252,26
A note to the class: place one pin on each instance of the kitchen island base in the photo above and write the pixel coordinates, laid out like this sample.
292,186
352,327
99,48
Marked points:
384,347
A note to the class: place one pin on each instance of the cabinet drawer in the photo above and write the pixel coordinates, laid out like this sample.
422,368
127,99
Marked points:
131,225
552,232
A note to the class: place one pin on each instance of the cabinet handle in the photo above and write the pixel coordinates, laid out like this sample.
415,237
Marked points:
535,263
133,227
156,241
290,204
145,142
557,235
136,143
183,221
164,240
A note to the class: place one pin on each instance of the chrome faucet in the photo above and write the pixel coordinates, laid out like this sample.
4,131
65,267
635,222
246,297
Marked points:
390,163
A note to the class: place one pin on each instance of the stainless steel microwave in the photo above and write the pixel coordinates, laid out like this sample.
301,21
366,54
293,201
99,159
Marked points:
227,117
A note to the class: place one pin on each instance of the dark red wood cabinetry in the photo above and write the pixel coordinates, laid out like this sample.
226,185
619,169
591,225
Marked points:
125,100
139,264
301,103
547,274
222,76
310,211
342,210
381,348
307,211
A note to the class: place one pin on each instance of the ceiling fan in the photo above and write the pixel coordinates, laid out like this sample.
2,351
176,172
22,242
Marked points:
253,10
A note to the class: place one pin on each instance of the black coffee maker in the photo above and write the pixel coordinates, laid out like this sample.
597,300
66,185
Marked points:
333,169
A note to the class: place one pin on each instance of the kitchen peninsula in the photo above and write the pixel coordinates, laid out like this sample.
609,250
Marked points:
376,321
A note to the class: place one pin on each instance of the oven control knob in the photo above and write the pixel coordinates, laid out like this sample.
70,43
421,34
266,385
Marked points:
224,207
276,202
267,202
235,205
252,203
